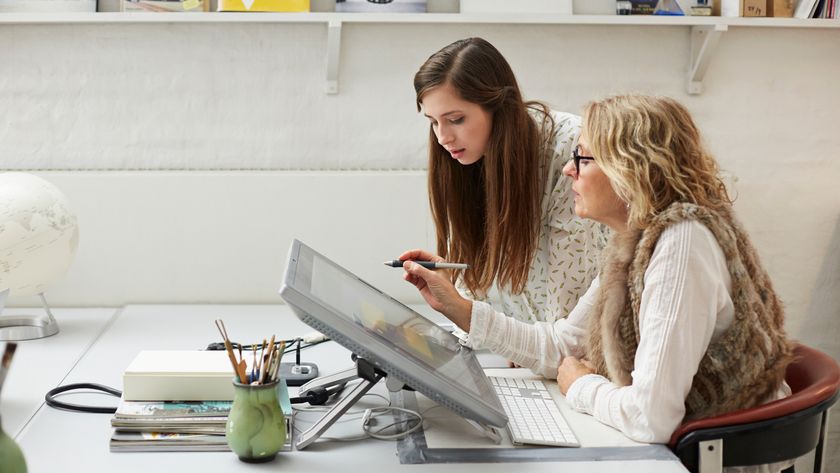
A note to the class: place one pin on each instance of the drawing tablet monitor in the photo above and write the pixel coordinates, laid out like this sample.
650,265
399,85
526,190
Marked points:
388,334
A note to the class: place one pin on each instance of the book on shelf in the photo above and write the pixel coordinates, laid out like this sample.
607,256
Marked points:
780,8
809,8
282,6
643,7
165,6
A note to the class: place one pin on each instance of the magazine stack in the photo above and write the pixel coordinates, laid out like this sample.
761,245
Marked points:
170,426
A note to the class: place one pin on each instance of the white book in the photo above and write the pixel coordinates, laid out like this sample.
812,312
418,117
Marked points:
805,8
47,6
179,376
730,8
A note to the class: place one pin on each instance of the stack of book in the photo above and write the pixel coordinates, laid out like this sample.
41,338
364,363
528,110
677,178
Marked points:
169,426
182,426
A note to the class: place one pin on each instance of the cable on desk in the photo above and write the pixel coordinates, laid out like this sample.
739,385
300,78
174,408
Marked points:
53,402
368,417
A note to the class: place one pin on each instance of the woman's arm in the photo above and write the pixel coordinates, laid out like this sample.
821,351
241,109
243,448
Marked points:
686,288
539,346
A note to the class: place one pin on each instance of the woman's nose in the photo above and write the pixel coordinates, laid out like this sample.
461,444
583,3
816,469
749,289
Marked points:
444,136
569,169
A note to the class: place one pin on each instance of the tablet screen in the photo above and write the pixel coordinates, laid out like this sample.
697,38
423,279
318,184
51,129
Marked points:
389,334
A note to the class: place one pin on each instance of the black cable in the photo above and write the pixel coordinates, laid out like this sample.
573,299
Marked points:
315,397
53,402
290,345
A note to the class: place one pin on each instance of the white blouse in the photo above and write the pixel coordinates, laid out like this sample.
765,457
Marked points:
686,303
566,258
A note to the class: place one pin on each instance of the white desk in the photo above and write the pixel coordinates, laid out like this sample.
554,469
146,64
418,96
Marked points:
55,439
40,365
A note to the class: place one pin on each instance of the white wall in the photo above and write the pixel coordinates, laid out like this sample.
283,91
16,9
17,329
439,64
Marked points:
221,237
226,97
198,123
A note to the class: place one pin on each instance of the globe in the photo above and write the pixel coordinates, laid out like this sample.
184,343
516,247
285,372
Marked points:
38,239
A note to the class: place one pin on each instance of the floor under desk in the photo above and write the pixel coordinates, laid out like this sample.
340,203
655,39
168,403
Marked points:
53,440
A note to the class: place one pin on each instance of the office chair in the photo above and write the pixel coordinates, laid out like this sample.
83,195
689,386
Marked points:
780,430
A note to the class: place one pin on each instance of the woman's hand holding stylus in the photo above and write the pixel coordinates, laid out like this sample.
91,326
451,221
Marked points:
420,255
438,291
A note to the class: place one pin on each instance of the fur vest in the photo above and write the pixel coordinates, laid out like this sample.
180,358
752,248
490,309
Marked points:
744,366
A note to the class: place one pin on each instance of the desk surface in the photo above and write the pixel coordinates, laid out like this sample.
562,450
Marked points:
54,439
40,365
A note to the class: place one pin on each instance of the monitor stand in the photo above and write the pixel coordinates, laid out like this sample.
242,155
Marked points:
370,375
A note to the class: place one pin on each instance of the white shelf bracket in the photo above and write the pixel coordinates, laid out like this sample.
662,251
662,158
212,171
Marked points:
704,40
333,55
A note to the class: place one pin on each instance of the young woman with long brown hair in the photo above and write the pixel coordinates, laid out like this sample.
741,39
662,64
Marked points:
496,190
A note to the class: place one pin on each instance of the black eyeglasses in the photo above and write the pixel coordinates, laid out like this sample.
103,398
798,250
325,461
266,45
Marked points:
578,158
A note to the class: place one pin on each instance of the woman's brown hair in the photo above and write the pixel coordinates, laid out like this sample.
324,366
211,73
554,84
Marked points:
487,214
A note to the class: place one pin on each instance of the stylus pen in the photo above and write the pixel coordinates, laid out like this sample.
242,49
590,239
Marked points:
428,264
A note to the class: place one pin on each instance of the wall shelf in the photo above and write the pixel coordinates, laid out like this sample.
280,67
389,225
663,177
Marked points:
705,31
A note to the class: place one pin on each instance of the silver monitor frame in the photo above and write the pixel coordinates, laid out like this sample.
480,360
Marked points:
396,363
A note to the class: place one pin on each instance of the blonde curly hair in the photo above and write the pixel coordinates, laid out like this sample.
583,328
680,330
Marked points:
652,153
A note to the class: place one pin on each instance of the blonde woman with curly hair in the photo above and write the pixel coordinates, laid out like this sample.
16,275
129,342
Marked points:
682,321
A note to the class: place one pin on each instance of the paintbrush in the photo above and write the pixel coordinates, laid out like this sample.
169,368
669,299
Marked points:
280,351
254,363
267,361
8,354
260,361
236,365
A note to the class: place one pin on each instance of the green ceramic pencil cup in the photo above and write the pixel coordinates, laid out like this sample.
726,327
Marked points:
11,458
256,426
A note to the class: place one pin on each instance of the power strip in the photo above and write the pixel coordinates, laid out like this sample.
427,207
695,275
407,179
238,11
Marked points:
297,375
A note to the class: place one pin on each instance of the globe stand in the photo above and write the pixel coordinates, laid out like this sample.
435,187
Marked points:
26,327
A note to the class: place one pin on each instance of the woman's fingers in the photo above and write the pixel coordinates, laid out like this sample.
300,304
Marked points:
419,255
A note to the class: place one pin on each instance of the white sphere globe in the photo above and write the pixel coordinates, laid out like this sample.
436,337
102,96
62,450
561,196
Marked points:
38,233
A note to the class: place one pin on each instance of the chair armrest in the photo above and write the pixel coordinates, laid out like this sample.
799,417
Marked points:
813,377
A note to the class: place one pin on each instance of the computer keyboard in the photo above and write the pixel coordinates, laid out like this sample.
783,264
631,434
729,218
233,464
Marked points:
533,414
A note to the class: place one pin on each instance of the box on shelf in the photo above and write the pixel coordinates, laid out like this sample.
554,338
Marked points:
394,6
780,8
165,5
563,7
642,7
47,6
743,8
264,5
594,7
